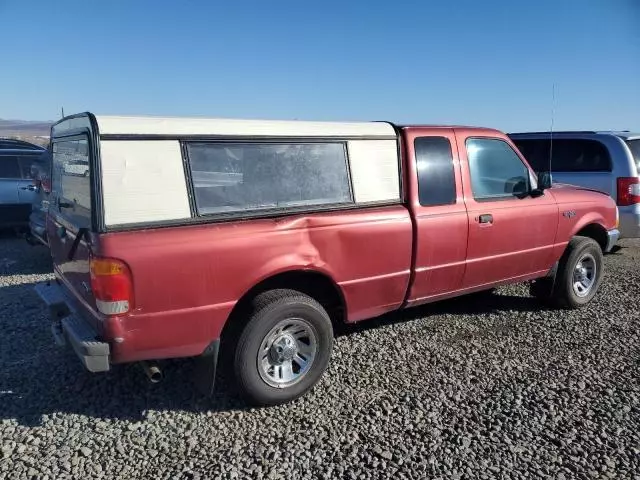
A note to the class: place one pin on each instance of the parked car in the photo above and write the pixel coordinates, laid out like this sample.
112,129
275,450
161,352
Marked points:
77,167
41,174
17,189
606,161
314,224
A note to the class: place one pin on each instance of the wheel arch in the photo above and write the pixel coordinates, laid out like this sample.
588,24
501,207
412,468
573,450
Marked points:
316,284
596,232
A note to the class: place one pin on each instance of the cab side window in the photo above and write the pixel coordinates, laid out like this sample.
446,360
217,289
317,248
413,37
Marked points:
496,170
436,178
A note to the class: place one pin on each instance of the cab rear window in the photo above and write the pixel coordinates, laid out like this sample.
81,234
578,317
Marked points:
436,177
71,180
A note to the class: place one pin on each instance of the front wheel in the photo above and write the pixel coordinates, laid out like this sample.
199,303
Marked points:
579,273
284,349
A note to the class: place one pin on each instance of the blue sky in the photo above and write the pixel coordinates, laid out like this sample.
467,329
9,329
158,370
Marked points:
489,63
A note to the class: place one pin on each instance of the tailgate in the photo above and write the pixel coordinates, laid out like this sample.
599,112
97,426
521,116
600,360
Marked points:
70,219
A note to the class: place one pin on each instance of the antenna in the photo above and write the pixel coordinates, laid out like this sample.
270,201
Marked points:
62,109
553,111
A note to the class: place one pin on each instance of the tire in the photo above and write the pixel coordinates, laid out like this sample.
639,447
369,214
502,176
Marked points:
269,355
584,251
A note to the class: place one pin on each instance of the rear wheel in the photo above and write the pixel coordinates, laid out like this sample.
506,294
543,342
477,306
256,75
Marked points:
578,276
284,348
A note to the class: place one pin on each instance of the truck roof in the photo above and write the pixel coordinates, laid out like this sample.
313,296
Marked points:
115,126
490,131
179,126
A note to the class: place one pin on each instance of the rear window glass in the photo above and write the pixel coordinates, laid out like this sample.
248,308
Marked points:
9,167
255,176
634,146
569,155
71,179
436,179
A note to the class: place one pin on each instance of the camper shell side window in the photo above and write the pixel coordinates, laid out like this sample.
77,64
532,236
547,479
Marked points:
248,176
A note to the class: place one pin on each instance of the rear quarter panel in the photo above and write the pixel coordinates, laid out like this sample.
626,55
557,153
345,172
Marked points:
188,279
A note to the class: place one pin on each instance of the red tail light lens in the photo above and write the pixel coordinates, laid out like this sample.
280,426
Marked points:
628,191
112,286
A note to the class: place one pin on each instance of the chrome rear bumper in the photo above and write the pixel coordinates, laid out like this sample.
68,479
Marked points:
68,328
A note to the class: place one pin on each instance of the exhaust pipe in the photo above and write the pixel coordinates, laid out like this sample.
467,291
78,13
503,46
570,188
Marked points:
153,372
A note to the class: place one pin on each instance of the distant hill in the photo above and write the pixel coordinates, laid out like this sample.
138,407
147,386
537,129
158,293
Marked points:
24,127
30,131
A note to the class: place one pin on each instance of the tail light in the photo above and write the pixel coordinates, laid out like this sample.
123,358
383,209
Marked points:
628,191
112,286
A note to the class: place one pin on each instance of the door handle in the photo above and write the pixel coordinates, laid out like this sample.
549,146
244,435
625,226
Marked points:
485,218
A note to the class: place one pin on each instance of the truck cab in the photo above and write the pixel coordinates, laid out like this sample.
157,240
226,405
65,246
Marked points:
191,237
481,217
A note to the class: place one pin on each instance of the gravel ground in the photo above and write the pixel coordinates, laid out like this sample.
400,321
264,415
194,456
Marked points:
470,388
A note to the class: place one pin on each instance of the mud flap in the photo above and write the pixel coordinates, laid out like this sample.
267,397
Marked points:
552,274
204,373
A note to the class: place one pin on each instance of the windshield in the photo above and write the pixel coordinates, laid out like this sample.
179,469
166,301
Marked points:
634,146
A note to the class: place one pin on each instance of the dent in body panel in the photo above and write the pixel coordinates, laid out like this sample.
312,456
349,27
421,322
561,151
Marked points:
347,255
187,279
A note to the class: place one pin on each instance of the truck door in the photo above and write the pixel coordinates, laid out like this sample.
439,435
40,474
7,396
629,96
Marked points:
511,233
435,196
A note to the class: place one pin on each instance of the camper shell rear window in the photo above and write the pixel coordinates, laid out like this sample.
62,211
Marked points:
72,186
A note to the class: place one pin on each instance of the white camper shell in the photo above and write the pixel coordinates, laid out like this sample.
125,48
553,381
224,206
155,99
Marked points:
151,171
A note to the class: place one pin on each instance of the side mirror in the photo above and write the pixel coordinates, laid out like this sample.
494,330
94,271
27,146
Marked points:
545,180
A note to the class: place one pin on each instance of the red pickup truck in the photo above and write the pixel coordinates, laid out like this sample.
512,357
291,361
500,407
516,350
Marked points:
184,237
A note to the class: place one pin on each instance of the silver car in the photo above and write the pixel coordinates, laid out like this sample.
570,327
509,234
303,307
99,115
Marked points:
17,188
605,161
